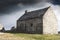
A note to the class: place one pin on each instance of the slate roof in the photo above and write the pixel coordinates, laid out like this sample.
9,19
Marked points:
33,14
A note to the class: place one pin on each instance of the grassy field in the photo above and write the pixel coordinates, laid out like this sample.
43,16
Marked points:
37,36
22,36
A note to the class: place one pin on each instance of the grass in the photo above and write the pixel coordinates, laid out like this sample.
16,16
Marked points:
23,36
37,36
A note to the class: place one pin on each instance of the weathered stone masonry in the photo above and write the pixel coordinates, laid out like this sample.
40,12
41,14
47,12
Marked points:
41,21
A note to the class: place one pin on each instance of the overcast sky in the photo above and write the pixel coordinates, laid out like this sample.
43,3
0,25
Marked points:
11,10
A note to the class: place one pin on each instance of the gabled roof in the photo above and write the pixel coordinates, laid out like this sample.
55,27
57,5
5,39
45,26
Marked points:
33,14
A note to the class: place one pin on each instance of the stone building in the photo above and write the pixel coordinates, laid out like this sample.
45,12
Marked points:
41,21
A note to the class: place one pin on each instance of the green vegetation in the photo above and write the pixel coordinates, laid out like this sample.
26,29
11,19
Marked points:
37,36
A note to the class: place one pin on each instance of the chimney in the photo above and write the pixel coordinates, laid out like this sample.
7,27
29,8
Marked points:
26,11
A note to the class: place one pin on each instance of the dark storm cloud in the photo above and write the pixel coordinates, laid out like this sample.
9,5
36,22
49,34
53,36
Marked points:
55,2
14,2
5,3
11,5
7,6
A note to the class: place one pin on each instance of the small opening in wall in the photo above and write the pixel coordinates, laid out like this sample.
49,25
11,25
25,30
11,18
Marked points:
31,24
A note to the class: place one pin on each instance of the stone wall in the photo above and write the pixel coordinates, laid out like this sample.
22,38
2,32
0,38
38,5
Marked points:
31,25
50,22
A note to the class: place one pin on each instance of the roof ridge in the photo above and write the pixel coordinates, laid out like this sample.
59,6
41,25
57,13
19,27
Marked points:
39,9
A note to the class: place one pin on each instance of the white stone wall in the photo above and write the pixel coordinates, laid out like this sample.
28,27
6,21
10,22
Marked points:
50,22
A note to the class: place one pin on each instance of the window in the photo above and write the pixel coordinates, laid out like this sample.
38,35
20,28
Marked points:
31,24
